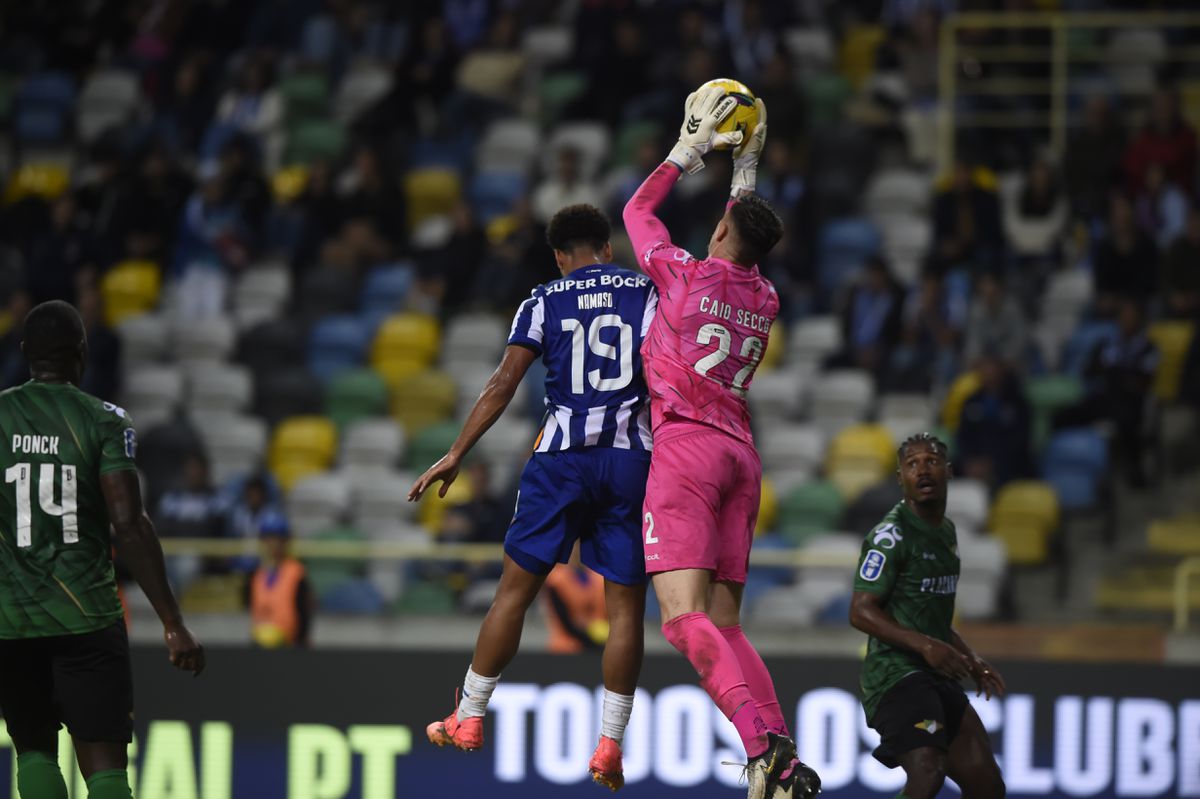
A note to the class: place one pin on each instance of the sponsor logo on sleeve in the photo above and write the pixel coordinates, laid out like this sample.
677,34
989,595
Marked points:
872,565
887,536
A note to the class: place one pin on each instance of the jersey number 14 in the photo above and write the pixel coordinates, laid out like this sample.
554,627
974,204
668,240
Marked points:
67,509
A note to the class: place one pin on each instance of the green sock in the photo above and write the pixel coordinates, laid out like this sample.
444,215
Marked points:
112,784
38,776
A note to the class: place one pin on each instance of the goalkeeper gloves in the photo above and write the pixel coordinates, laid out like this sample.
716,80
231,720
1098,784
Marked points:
702,112
745,157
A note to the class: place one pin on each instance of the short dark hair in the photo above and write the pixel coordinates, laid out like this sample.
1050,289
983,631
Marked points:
578,226
924,439
758,228
53,334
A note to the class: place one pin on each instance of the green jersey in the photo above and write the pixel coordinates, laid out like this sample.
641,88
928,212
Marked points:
913,566
56,571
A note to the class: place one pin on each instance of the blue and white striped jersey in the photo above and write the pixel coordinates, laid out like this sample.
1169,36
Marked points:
588,327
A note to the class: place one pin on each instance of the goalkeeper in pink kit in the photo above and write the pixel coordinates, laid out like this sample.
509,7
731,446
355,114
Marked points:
709,334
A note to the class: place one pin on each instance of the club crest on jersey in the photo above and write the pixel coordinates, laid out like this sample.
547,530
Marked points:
120,412
872,565
887,536
929,725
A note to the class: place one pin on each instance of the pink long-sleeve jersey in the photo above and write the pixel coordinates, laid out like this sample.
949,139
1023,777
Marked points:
712,324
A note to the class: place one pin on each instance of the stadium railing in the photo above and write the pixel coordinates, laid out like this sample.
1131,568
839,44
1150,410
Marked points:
1069,34
1188,569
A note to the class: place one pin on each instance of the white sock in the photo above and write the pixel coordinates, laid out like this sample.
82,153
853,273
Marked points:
615,715
476,693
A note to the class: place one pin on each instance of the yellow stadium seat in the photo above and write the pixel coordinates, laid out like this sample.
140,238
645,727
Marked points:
130,288
1025,546
301,446
853,478
1189,95
433,508
48,181
289,183
768,508
1178,536
963,387
856,58
430,192
862,444
776,347
408,338
1173,340
1025,514
423,399
396,372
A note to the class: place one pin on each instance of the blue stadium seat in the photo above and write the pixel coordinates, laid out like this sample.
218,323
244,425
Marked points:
493,193
353,597
1076,491
450,153
318,42
386,288
44,108
844,245
1080,451
1083,342
337,343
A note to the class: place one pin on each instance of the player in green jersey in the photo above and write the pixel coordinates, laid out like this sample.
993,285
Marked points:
904,600
68,465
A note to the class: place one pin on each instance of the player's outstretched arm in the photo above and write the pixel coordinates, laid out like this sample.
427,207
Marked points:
987,680
745,158
868,614
138,546
494,398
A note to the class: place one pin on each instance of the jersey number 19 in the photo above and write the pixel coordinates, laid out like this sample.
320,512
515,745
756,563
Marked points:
22,475
622,354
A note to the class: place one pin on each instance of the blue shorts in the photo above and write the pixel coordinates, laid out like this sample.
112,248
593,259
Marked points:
592,495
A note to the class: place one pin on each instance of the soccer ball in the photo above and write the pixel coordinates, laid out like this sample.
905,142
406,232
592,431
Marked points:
745,116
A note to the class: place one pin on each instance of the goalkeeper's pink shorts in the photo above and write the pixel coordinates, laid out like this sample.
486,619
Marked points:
701,502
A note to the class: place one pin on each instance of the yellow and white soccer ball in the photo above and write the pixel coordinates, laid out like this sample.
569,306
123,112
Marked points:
745,116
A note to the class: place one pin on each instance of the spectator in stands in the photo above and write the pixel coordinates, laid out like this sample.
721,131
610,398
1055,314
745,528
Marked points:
100,192
967,231
321,214
484,517
212,240
995,324
280,598
254,106
449,272
189,511
1118,378
575,611
1162,208
102,375
421,83
187,108
777,87
995,427
1036,214
14,369
916,49
870,319
468,21
157,197
489,78
372,209
60,255
932,325
1167,140
252,504
753,40
1181,271
567,186
1125,261
515,260
621,61
1092,159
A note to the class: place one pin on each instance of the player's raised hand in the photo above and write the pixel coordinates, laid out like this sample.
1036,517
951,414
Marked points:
702,112
987,680
745,157
183,647
445,470
946,660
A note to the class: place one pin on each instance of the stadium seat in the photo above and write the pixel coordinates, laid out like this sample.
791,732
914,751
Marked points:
591,139
1132,59
287,184
967,503
218,387
961,389
547,44
630,136
825,96
317,503
427,598
1024,516
430,192
792,454
301,446
472,376
840,398
380,498
235,447
857,53
325,291
337,344
558,90
431,511
260,294
812,49
315,140
474,338
359,90
305,95
1048,394
810,509
1068,292
372,442
386,288
272,345
813,339
327,574
130,288
1177,536
206,340
906,241
287,392
493,194
429,444
152,394
1083,342
355,597
1172,338
905,414
42,108
508,145
109,99
768,508
843,246
48,181
852,478
508,441
777,396
423,399
406,337
858,457
354,394
1082,450
1076,491
897,191
143,340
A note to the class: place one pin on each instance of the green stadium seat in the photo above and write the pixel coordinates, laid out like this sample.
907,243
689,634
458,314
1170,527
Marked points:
315,140
809,510
430,444
356,394
306,96
630,137
825,96
427,598
326,573
557,91
1046,395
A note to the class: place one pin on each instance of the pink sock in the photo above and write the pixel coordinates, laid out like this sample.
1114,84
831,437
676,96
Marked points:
758,679
721,677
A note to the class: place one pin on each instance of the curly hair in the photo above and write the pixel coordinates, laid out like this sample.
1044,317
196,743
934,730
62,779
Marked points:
924,439
758,227
53,333
578,226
